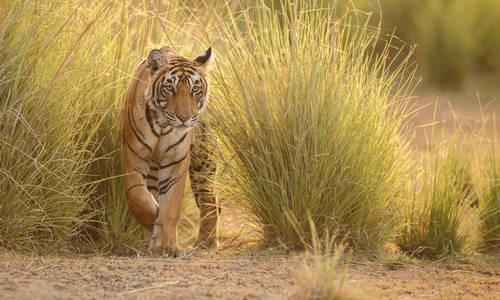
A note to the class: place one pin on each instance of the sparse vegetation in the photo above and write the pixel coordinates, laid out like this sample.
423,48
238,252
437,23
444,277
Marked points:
322,276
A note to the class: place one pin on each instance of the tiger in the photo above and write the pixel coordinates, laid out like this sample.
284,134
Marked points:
163,138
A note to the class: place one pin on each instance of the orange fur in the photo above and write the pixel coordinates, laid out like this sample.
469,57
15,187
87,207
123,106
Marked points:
161,108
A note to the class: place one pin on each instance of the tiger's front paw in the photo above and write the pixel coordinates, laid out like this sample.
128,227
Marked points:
164,242
175,251
158,241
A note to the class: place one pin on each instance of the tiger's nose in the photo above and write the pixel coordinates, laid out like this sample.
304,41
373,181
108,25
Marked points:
183,118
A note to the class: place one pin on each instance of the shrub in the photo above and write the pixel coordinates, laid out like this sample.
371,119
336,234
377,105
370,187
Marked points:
65,70
43,161
489,204
486,28
310,119
436,218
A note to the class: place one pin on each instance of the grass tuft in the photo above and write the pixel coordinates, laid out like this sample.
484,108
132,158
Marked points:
322,273
64,72
489,204
438,218
310,118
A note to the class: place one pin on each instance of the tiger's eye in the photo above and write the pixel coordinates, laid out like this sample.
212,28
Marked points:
196,88
169,88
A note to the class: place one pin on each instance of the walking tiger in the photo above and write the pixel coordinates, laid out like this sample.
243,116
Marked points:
163,139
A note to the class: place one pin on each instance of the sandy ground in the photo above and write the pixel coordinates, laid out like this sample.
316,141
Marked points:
472,113
222,275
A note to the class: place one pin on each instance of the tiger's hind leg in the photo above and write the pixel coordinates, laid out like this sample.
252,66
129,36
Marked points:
202,174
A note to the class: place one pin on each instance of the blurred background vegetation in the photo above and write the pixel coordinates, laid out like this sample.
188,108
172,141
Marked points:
312,103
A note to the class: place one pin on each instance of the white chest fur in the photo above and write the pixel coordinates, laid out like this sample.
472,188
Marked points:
173,143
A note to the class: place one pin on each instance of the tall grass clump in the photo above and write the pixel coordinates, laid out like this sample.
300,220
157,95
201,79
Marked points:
439,220
489,204
43,161
309,117
65,67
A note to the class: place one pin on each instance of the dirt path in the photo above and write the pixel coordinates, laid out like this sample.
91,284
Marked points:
229,275
208,275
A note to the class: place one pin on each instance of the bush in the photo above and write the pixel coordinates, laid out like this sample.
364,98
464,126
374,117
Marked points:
489,204
436,218
486,28
310,119
65,70
43,161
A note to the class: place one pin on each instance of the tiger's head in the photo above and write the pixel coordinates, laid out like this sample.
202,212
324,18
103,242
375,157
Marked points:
177,88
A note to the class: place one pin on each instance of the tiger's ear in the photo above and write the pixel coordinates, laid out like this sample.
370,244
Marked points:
205,59
156,60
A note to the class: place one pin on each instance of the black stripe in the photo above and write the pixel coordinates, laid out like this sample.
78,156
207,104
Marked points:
137,136
197,169
154,85
150,120
170,184
180,62
152,177
139,171
168,132
163,181
154,168
157,87
177,143
150,187
203,192
134,123
134,186
175,162
203,181
176,70
163,93
186,67
133,151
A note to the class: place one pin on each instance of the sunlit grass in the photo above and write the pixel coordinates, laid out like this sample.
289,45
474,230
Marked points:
309,114
489,204
439,219
311,119
322,274
65,68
